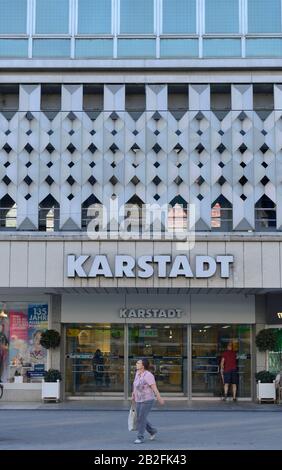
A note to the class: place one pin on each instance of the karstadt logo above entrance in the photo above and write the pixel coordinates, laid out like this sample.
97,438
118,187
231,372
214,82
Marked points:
163,266
150,313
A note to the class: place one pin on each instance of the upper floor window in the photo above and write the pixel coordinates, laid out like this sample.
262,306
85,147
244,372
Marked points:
222,16
264,16
8,213
136,16
94,16
177,218
13,16
92,212
52,17
221,215
49,215
179,16
265,214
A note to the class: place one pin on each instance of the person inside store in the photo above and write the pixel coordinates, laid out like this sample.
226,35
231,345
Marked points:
229,371
4,349
144,393
98,367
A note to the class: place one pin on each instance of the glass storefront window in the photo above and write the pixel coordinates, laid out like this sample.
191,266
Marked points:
94,16
94,359
222,47
264,16
13,48
208,344
264,47
179,16
13,16
52,17
165,347
20,333
275,357
94,48
136,48
179,48
136,17
222,16
51,48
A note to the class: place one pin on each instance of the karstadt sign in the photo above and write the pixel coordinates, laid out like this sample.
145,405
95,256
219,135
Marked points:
144,267
150,313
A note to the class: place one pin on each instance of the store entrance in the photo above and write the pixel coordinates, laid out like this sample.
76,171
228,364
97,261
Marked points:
166,348
94,359
208,344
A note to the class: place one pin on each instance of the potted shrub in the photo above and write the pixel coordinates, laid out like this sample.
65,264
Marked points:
266,389
266,340
51,385
18,378
50,339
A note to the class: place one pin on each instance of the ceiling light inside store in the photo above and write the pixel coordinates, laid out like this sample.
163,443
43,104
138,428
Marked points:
226,326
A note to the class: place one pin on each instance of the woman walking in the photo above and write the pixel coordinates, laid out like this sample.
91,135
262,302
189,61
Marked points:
144,393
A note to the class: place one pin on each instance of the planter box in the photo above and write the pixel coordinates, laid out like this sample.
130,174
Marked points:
266,391
18,379
50,390
22,392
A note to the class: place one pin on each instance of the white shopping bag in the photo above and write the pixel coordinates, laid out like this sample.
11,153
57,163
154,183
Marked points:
132,418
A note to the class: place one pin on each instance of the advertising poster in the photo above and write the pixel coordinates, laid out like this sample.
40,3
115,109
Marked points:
18,338
37,323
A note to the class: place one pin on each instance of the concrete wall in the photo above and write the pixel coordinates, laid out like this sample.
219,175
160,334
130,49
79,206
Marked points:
41,262
196,308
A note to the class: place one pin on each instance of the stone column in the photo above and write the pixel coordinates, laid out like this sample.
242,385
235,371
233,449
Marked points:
55,324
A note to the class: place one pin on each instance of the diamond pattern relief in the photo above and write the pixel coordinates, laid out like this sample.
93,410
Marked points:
50,148
28,148
197,153
7,148
221,148
200,148
71,148
264,180
135,180
92,148
28,180
113,180
92,180
6,180
243,148
71,180
157,148
49,180
157,180
200,180
243,180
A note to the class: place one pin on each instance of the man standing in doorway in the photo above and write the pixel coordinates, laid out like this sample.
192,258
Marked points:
228,369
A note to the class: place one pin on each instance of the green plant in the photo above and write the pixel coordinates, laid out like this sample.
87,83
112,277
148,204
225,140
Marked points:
50,339
17,373
266,340
265,377
52,375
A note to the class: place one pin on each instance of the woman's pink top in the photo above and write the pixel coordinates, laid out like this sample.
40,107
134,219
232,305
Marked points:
142,386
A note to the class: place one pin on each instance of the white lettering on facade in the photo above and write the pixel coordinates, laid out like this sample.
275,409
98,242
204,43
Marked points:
126,266
150,313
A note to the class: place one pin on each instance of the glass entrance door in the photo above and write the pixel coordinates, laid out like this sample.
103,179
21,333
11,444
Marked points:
165,347
94,359
208,344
